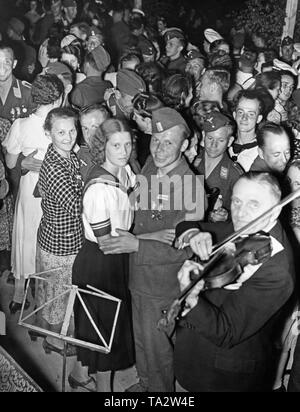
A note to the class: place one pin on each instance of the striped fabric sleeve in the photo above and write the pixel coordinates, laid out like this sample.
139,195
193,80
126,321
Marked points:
102,228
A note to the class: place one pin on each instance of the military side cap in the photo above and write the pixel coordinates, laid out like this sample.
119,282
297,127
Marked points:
58,68
69,3
194,54
212,35
102,58
214,121
165,118
129,82
16,25
174,33
287,41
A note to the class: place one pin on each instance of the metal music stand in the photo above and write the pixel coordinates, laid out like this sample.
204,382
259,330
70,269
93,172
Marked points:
72,292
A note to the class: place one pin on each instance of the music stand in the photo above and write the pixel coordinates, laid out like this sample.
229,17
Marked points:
72,292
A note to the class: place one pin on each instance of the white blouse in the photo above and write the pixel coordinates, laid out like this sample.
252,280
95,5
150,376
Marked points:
108,206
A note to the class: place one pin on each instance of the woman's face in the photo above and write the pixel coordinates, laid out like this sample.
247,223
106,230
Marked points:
118,149
63,134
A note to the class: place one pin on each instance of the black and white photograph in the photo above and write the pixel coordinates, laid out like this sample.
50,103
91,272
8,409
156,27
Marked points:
149,198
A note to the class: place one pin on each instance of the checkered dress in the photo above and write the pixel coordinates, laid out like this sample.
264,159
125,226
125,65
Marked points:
60,185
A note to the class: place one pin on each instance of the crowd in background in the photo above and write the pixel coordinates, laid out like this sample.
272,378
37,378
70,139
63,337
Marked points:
92,97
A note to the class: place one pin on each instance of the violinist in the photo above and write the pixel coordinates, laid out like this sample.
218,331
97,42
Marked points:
224,337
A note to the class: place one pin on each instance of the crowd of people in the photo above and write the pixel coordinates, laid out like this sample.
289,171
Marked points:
129,148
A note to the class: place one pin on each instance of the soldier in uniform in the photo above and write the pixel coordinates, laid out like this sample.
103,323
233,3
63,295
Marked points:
25,54
154,264
195,68
220,172
175,45
15,95
145,46
120,100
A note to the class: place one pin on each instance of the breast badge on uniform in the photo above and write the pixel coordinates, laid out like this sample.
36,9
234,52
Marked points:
224,173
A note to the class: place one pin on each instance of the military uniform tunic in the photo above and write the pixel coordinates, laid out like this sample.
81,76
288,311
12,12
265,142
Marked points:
18,103
224,176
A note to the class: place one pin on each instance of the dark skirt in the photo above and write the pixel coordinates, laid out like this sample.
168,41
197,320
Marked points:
109,274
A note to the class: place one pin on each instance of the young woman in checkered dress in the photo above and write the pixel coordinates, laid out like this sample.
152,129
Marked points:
60,232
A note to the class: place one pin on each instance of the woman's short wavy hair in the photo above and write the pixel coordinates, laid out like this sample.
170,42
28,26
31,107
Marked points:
46,89
59,113
108,128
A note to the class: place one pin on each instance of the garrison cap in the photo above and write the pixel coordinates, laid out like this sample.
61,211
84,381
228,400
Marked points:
129,82
214,121
58,68
69,3
165,118
102,58
16,25
174,33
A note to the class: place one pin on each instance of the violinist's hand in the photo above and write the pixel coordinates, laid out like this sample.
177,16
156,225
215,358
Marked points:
184,278
201,245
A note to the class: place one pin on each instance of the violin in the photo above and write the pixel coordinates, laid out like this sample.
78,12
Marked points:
222,270
226,264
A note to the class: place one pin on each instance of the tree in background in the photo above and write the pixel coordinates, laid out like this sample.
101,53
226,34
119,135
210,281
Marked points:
265,17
